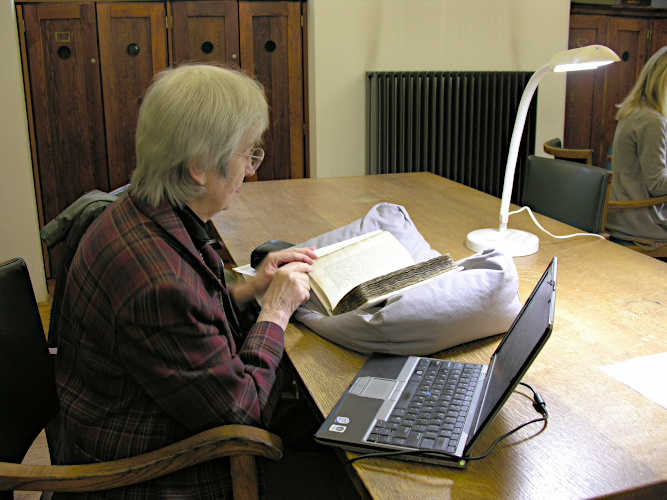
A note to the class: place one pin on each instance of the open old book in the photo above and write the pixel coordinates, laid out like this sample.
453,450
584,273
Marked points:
366,270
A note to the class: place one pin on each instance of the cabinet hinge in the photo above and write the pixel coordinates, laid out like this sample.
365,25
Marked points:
302,21
169,22
649,34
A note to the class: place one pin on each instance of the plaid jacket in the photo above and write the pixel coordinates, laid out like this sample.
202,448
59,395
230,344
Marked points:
150,351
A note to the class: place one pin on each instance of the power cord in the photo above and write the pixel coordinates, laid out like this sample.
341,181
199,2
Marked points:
530,212
538,403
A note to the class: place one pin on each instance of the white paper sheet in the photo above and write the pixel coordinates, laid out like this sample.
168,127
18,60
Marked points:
646,375
247,269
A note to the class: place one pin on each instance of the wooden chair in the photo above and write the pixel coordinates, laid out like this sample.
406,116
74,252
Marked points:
570,192
28,400
555,148
660,252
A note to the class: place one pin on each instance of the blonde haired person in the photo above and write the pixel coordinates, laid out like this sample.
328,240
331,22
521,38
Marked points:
154,345
639,159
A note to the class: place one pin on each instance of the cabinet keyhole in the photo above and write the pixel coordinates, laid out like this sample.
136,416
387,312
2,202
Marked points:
64,53
132,49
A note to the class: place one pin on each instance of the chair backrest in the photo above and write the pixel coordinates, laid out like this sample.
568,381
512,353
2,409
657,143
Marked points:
28,397
555,148
570,192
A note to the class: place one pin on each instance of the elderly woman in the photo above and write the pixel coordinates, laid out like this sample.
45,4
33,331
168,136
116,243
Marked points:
639,161
153,345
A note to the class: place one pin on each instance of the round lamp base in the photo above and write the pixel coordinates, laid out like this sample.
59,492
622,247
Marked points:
513,242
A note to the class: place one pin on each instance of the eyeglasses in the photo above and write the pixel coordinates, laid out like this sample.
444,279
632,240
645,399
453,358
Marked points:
256,158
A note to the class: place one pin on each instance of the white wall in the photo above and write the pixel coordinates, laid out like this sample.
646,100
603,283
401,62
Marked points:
19,230
346,38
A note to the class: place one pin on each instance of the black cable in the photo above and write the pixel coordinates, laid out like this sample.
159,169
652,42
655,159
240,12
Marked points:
538,403
541,408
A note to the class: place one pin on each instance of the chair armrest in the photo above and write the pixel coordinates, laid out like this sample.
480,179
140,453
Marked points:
552,144
554,147
638,203
227,440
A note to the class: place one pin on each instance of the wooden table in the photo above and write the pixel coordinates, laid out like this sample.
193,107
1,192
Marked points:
602,438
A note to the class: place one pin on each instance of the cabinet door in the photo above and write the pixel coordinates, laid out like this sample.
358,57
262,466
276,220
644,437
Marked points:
593,125
133,47
628,38
658,35
206,31
271,49
583,102
66,97
61,42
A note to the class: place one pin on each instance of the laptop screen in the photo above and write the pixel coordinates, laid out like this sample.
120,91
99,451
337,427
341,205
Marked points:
517,351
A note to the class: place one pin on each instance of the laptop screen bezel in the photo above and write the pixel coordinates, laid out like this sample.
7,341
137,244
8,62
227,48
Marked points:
478,428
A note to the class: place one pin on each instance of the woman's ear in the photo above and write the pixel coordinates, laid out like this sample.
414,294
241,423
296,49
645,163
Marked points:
196,173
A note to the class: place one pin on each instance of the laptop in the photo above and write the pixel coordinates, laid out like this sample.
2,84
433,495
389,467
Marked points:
437,410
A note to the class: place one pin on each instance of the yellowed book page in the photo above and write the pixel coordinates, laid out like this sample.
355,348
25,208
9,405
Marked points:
322,251
336,273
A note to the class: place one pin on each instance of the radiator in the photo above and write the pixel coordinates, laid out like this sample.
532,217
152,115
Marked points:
455,124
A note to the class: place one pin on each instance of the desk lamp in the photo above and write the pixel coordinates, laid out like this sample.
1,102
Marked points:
513,241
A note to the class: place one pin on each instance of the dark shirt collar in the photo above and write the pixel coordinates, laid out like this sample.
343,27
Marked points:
195,227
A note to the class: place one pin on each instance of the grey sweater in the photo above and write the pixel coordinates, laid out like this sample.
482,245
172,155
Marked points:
639,164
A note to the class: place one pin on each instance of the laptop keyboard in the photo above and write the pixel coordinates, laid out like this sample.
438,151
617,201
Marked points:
432,409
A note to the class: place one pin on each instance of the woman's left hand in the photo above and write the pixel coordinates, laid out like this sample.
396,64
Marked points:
274,260
267,269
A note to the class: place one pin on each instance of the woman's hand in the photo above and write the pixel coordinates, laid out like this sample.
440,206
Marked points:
288,290
274,260
259,284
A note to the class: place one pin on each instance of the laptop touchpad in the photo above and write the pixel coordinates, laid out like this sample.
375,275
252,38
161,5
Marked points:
378,388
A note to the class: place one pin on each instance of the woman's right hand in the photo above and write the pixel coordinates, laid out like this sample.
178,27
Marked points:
288,290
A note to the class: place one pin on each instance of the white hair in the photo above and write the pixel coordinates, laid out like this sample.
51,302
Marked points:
195,112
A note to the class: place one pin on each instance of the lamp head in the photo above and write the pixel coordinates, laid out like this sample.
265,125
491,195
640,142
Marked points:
589,57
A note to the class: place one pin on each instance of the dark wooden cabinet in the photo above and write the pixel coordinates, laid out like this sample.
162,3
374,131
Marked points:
206,31
133,47
87,65
66,97
634,33
272,50
266,40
